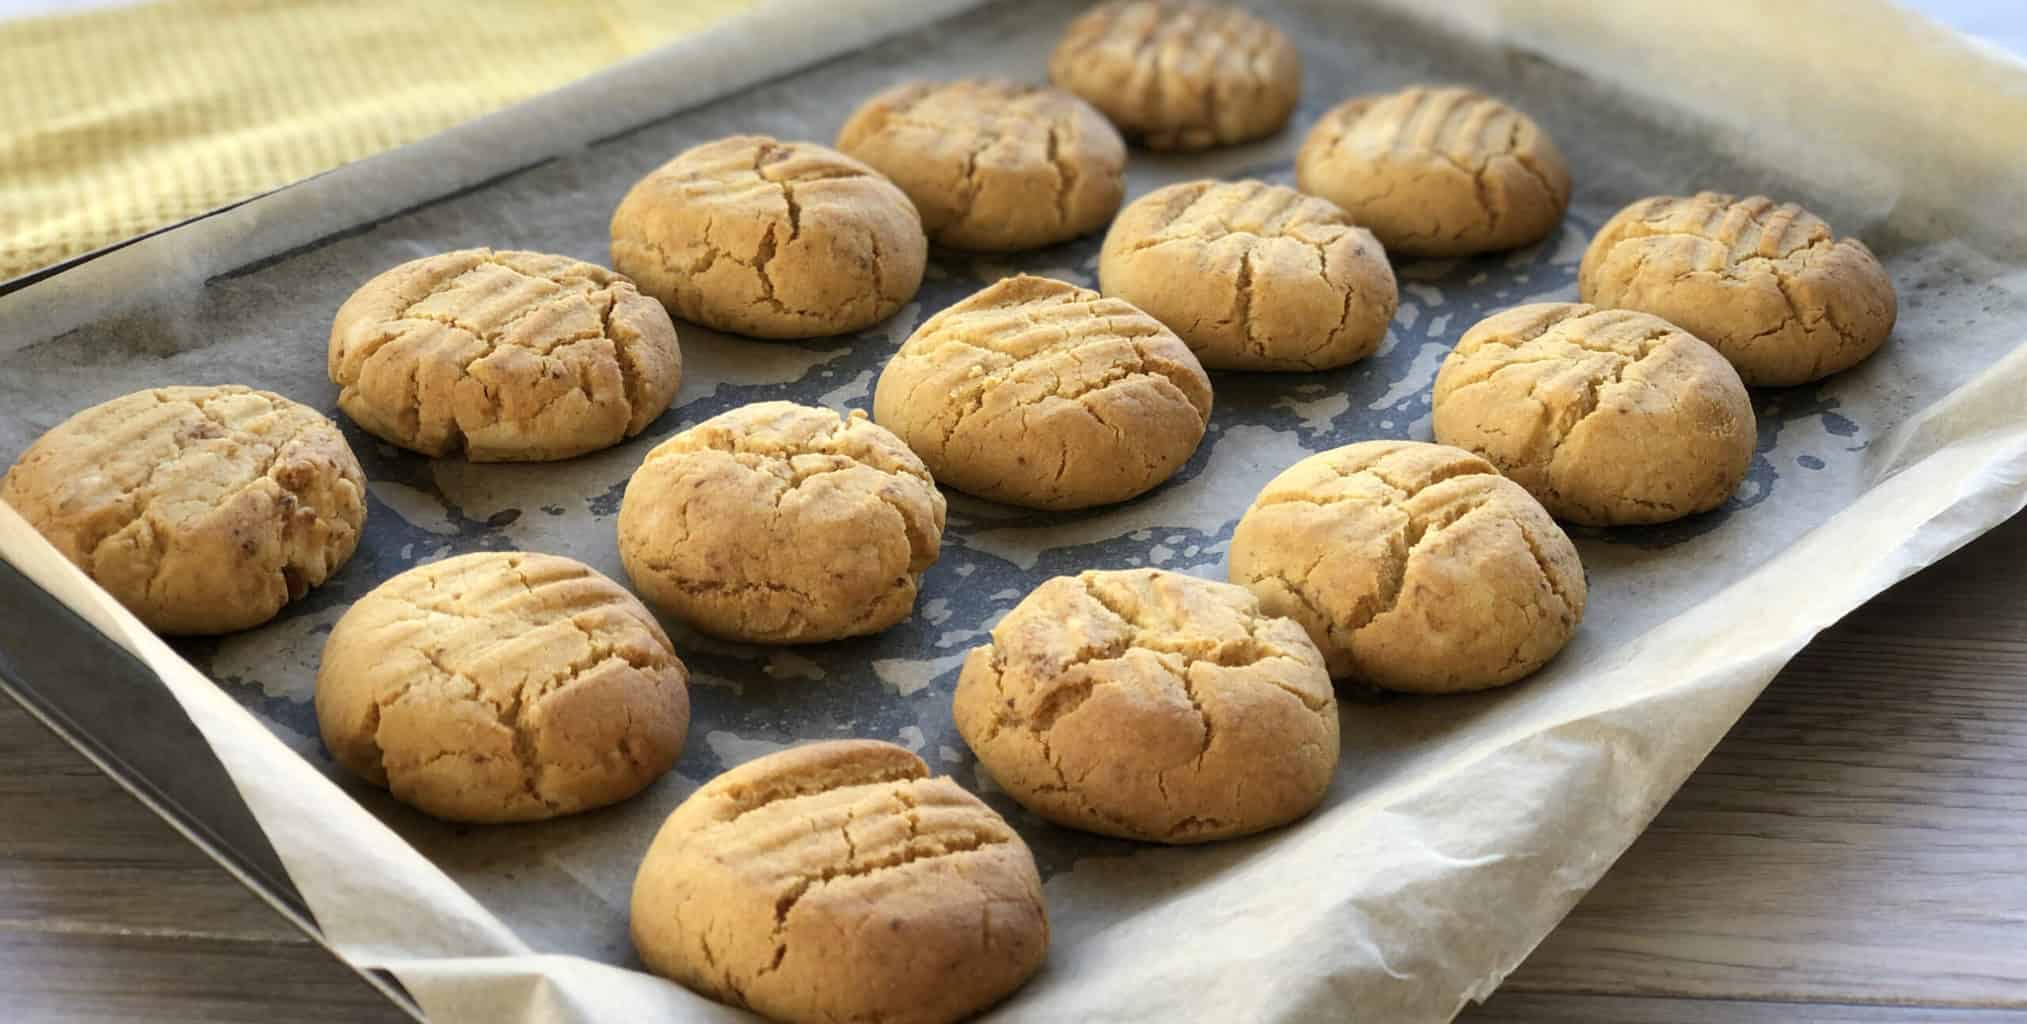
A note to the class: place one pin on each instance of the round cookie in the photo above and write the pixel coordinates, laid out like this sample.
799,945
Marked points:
202,509
1151,705
1039,393
771,239
993,165
1181,74
1413,566
502,686
1767,285
837,881
1437,171
1252,276
503,357
1607,417
781,523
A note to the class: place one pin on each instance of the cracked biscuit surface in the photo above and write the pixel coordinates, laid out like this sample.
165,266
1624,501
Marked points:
1607,417
1437,171
1252,276
838,881
1413,566
503,356
1039,393
502,686
1181,74
202,509
1151,705
781,523
771,239
993,165
1767,284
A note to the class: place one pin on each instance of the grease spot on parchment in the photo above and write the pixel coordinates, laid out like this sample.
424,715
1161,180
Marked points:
982,782
712,360
851,394
1420,376
898,327
783,665
1570,242
416,507
716,682
484,490
731,749
1316,413
281,659
909,676
952,637
1562,293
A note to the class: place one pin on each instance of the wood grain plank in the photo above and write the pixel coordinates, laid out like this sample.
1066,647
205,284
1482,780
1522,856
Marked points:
78,853
1548,1008
87,976
1858,836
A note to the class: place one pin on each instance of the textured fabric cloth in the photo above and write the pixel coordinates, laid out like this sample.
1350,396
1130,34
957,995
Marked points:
116,122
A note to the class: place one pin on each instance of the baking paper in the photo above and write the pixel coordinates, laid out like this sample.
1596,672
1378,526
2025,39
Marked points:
1459,829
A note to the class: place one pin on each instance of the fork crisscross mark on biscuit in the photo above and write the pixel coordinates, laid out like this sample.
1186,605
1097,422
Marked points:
1413,566
839,881
1181,74
1252,275
502,355
770,238
1037,392
993,164
1222,698
1768,284
1437,171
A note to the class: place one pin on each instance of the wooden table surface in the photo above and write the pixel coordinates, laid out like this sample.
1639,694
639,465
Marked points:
1855,850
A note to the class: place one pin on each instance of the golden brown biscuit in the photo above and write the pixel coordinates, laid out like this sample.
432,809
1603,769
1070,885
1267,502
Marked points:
772,239
503,357
1040,393
1252,276
781,523
1151,705
993,165
502,686
1181,74
1413,566
202,509
1607,417
839,882
1767,285
1437,171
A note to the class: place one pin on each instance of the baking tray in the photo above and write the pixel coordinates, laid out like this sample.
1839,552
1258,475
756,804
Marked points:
1613,746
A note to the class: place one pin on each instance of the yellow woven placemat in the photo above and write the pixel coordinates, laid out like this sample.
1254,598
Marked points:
117,122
